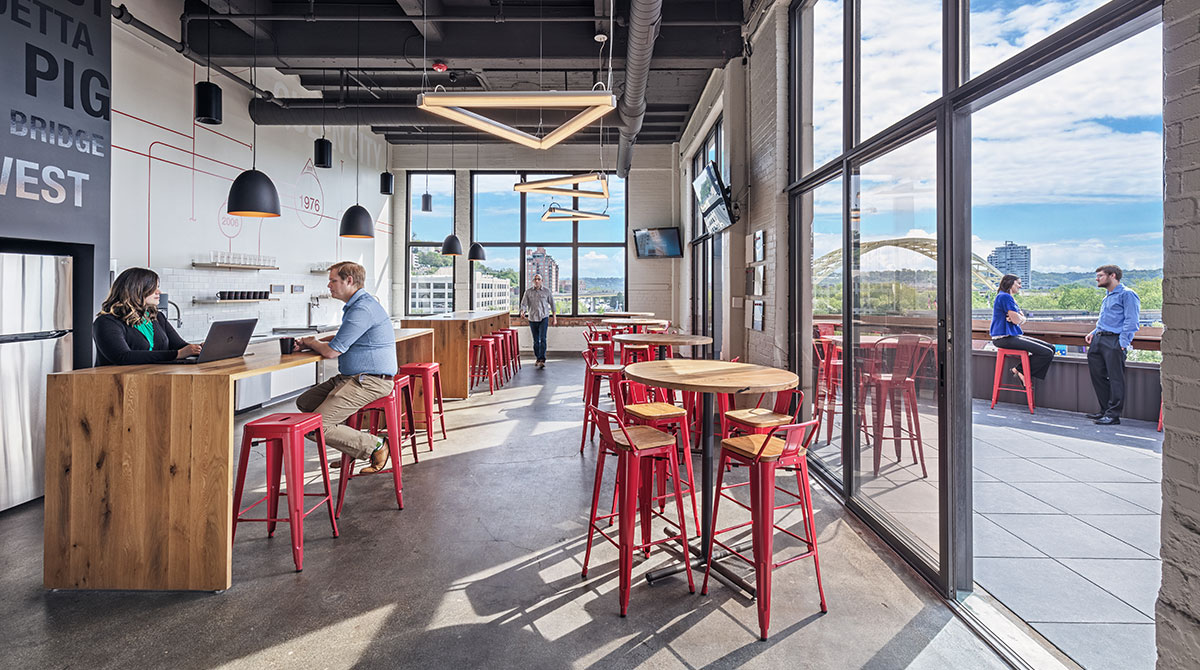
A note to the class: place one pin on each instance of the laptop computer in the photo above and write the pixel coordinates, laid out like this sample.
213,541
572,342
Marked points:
226,339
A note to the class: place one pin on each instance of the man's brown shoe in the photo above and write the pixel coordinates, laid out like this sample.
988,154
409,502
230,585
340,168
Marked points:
379,460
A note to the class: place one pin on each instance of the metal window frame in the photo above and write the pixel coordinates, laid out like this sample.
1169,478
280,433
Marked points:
523,244
409,243
949,117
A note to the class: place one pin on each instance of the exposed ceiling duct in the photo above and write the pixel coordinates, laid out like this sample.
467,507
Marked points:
644,18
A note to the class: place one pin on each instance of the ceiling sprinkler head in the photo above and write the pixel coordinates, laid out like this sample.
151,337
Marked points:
601,38
439,66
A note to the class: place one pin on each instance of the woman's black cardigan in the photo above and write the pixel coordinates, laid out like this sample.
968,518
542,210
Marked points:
118,343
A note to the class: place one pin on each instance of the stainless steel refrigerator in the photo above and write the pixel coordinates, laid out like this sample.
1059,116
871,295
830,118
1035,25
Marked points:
35,340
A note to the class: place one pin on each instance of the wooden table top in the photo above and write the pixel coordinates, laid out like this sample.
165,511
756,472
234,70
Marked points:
465,315
711,376
266,358
626,315
663,339
635,322
863,340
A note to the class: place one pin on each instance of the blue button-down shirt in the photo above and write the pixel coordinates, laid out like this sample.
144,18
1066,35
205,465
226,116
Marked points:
366,338
1119,314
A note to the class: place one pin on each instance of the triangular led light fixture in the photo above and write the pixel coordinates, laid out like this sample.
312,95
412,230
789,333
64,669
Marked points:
547,186
454,105
556,213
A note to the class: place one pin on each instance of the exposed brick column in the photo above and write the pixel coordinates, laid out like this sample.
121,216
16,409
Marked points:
1178,608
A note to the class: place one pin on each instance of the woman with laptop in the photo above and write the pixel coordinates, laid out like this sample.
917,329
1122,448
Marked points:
130,330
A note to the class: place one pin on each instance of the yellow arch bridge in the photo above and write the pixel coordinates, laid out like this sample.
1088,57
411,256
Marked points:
983,273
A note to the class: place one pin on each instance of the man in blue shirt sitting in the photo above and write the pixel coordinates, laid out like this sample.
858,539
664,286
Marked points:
365,349
1109,341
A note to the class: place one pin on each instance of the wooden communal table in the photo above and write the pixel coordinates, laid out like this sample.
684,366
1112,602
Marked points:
663,340
637,323
452,335
139,469
709,378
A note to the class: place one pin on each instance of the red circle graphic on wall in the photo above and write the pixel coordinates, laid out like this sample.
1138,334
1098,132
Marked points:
230,225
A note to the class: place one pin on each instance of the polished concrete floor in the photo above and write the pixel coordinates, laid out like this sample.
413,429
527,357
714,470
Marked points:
482,569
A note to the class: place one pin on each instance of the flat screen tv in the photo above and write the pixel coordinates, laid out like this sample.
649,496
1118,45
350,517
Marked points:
712,198
658,243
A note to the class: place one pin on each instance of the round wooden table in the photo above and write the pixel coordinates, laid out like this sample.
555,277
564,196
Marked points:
626,315
708,378
637,323
663,340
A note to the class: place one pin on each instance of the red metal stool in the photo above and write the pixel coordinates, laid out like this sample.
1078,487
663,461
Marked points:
284,437
483,362
430,375
501,359
597,344
637,448
514,349
394,418
759,420
636,406
593,374
630,353
764,454
997,386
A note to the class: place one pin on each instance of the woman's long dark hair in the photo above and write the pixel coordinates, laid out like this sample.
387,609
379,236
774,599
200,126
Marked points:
1007,281
127,298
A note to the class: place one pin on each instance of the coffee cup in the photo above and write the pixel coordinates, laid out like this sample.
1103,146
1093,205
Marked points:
287,345
222,295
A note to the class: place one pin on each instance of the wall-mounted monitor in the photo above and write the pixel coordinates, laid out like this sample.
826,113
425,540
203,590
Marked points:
713,199
658,243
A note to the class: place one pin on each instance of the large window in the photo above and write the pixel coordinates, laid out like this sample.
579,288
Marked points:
933,152
430,274
702,244
582,262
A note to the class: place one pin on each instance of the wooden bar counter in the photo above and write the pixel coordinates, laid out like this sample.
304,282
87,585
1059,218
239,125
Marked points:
139,469
453,332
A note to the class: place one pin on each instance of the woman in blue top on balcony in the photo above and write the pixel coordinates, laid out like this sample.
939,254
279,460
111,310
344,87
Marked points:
1007,334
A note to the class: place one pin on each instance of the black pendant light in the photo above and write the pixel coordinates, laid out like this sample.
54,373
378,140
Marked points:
451,246
208,95
322,148
476,253
387,180
357,222
253,193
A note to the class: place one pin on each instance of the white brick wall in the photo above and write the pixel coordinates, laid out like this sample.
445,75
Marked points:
1178,609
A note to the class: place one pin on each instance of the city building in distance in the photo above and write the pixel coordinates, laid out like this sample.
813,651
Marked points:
539,262
1012,259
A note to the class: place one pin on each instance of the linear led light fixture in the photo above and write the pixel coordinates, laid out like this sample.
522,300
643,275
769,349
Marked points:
457,105
546,186
556,213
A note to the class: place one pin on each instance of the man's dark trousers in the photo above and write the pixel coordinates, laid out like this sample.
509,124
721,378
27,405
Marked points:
1106,362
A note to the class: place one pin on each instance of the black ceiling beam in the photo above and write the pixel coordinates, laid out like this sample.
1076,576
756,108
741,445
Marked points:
243,11
431,30
676,18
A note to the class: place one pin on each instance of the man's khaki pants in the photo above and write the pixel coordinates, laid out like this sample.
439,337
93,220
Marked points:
337,399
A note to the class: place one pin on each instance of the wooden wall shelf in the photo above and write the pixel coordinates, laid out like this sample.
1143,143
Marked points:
215,301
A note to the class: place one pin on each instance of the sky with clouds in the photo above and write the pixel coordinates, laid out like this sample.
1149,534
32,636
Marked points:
1071,166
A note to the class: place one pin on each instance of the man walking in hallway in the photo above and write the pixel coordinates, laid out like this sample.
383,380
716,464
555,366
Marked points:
365,348
537,306
1108,342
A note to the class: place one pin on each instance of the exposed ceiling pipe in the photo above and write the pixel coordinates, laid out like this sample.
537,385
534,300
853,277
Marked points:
645,17
395,112
456,18
122,14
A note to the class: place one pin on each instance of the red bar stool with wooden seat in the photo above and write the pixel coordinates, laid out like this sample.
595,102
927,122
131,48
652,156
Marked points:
894,382
636,407
395,417
600,345
430,376
483,362
637,449
593,374
284,437
630,353
759,420
997,386
764,454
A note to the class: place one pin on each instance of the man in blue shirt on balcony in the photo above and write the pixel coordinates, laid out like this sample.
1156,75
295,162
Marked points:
1108,343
